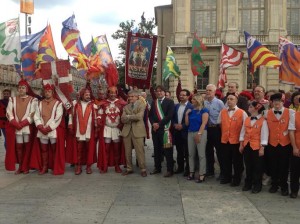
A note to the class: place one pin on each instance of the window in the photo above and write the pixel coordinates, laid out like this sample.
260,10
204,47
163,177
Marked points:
202,80
293,17
252,80
251,16
204,17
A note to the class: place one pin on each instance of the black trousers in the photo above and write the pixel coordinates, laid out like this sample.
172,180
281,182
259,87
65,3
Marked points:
213,141
182,151
295,174
266,165
254,167
232,157
157,138
278,159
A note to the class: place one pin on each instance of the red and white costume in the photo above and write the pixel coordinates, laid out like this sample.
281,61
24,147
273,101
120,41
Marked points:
110,151
20,112
49,116
83,123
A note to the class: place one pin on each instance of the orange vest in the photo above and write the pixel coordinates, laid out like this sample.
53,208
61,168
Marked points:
231,127
253,133
297,132
278,127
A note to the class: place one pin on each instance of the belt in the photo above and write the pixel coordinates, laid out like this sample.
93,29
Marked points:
212,125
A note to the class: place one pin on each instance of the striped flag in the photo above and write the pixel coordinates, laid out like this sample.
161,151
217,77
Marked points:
258,55
289,71
229,57
70,38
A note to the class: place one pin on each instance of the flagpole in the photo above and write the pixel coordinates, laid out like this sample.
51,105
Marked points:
21,67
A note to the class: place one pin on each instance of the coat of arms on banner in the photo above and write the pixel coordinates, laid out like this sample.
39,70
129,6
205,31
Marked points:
140,54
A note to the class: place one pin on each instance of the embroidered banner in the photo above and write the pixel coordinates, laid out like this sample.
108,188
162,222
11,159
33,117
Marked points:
140,52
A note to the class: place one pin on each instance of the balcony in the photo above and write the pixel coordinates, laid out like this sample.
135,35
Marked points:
206,40
294,38
260,38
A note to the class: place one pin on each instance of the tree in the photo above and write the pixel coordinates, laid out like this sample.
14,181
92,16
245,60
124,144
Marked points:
143,27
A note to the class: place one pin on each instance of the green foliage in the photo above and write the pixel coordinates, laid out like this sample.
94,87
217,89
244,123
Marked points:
144,27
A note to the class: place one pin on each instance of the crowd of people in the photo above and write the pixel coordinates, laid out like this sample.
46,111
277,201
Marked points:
257,131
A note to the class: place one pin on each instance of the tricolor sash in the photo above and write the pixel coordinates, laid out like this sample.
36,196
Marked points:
167,133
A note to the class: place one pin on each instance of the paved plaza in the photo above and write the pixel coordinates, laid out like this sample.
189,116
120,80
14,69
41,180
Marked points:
113,198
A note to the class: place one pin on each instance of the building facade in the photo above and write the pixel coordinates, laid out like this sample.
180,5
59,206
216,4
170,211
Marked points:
224,21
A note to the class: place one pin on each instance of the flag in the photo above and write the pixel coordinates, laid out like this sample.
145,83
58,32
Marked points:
170,67
70,38
29,51
46,51
198,66
289,71
259,55
229,57
140,55
10,44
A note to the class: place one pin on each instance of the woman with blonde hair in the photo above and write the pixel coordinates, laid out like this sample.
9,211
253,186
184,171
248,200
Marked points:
196,120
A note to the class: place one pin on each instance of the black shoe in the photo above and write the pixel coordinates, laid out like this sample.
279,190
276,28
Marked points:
256,190
225,181
152,155
235,183
284,192
200,179
155,171
294,195
178,171
246,188
273,189
186,173
191,176
210,174
168,174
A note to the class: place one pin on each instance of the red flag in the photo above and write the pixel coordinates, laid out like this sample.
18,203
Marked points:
229,57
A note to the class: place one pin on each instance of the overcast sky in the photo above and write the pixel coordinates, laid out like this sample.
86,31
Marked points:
94,17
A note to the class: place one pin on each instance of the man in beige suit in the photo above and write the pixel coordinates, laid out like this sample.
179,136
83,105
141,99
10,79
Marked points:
134,132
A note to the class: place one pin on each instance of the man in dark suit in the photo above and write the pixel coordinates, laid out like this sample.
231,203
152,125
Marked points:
180,131
160,116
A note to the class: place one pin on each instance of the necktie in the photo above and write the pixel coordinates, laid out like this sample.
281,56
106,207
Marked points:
277,112
253,118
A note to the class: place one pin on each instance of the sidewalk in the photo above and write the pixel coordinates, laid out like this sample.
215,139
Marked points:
113,198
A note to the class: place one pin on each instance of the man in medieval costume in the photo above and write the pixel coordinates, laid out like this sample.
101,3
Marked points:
48,119
20,112
83,124
111,152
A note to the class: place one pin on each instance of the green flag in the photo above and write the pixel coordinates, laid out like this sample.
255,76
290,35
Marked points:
170,67
10,45
198,66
